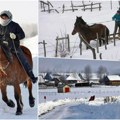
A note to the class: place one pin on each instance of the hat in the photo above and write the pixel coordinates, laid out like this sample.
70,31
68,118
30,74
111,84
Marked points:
6,13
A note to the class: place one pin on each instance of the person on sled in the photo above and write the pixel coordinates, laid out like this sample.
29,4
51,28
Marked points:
11,34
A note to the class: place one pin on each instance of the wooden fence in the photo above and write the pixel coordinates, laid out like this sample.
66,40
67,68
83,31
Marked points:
47,7
62,38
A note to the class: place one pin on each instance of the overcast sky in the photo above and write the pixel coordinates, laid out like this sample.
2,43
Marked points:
24,11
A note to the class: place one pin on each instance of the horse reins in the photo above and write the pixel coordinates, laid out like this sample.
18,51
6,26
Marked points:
17,55
5,42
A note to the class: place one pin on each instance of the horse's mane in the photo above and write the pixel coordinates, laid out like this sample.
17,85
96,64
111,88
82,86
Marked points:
79,19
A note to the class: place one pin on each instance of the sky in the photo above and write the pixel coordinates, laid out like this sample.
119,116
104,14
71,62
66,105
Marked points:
24,11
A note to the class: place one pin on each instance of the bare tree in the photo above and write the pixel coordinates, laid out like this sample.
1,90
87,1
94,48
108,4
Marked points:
88,73
63,51
102,71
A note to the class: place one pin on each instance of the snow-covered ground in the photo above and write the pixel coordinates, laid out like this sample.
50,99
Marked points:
82,109
54,24
28,112
75,105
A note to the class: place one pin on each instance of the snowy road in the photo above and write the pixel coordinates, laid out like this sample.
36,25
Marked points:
58,113
85,111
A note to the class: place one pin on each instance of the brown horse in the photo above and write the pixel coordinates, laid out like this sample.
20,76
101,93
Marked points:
90,32
14,74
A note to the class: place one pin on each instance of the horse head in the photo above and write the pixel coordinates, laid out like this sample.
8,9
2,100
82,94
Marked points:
78,24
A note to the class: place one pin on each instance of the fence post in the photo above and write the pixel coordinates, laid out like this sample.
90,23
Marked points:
44,47
99,6
63,8
105,39
91,6
48,8
80,46
56,46
119,3
111,4
114,39
87,44
68,42
72,6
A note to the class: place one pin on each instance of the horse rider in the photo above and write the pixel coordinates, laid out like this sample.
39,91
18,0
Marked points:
10,35
116,18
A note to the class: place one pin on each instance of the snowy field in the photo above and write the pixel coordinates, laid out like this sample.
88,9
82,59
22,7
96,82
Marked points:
28,112
76,105
54,24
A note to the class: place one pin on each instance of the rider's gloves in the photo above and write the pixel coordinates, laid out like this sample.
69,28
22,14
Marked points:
12,36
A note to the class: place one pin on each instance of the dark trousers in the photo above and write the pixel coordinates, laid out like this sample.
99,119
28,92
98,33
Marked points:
21,58
7,52
117,25
24,62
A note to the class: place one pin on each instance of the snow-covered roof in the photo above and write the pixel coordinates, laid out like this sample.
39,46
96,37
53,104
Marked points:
73,76
113,77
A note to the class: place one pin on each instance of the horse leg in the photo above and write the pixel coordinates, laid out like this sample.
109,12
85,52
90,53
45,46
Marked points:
9,102
31,98
17,94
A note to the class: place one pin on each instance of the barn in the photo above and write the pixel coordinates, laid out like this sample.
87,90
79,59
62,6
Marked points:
112,80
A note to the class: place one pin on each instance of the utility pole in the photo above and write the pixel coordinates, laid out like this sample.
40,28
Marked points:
44,46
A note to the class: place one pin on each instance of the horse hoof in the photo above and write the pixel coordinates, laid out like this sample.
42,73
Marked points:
32,102
11,104
19,113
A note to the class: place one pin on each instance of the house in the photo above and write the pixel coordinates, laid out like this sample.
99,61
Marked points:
112,80
73,78
93,79
63,88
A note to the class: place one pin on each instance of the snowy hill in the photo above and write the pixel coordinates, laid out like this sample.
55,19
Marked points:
54,24
76,105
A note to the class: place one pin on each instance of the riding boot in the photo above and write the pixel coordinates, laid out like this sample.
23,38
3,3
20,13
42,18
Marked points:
23,61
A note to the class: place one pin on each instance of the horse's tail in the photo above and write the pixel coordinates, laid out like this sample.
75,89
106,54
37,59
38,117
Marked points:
107,34
107,31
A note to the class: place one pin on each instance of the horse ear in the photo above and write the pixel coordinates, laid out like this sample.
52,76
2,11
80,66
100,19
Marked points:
76,16
81,16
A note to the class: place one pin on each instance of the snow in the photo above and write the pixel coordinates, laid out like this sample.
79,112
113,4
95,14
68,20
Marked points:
73,76
113,77
76,105
54,24
28,112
